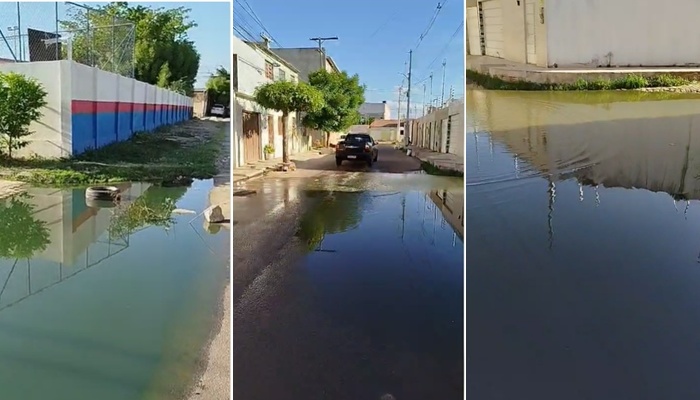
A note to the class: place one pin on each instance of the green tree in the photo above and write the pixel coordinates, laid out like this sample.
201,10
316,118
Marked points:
287,97
333,212
219,85
21,235
342,94
21,100
102,37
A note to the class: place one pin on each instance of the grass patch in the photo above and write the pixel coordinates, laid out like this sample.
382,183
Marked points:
168,156
432,169
631,81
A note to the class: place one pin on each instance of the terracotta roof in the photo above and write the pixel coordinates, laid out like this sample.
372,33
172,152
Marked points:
385,123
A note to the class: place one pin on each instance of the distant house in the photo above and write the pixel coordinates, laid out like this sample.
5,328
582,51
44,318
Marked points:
591,33
375,111
201,104
358,129
386,130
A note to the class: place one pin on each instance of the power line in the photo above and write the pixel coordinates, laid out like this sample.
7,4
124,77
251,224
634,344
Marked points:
447,45
430,24
384,24
256,19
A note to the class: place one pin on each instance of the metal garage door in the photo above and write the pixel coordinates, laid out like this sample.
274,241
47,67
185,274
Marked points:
473,31
493,27
530,16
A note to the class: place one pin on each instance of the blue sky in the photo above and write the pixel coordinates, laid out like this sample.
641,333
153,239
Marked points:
374,39
211,37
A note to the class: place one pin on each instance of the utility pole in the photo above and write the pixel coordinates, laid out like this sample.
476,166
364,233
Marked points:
320,41
431,89
442,96
424,99
398,126
407,129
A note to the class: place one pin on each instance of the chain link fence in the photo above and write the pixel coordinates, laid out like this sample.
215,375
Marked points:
97,37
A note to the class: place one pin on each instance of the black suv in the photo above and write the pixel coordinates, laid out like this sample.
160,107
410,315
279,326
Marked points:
356,147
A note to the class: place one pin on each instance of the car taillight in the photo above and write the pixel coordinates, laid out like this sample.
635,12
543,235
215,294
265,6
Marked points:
367,147
340,146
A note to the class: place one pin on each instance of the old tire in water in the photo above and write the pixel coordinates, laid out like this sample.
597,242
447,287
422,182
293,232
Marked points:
98,204
108,193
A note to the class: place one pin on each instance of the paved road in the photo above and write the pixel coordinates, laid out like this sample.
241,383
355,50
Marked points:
311,322
390,160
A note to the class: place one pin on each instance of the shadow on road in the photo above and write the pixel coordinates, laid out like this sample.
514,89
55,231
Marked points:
390,160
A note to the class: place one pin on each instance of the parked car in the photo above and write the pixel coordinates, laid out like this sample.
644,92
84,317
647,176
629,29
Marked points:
356,147
218,109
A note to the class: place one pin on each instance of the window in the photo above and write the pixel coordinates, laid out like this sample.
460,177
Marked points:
282,75
269,70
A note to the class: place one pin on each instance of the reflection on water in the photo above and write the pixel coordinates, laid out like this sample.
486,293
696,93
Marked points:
89,308
583,271
375,305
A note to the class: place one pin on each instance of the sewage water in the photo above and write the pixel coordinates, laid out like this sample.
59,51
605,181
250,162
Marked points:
373,307
583,246
96,305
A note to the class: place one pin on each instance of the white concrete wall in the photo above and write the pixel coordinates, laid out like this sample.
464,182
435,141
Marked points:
430,131
633,32
51,137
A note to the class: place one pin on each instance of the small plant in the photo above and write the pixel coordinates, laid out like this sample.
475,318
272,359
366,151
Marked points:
269,149
21,100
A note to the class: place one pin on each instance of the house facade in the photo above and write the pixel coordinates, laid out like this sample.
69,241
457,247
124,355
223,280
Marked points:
255,127
386,130
375,111
591,33
441,130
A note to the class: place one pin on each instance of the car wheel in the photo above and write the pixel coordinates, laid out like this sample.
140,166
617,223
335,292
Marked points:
375,157
369,162
338,161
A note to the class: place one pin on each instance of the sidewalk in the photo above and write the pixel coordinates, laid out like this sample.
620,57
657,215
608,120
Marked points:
254,170
440,160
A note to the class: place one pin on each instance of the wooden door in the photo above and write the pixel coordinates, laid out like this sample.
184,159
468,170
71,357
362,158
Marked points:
271,130
251,136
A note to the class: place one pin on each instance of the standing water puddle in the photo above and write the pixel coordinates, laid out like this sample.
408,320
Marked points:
583,244
96,305
373,307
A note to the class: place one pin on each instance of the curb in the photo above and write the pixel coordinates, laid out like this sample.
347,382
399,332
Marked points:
257,174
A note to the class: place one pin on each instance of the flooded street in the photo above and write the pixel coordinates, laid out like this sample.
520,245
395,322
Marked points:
348,285
97,304
583,247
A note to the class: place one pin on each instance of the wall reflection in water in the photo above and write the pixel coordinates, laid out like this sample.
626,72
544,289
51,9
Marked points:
451,205
49,235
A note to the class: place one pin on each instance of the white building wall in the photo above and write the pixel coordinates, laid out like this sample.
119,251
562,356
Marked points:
251,74
631,32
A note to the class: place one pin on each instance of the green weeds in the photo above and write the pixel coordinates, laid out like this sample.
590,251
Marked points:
631,81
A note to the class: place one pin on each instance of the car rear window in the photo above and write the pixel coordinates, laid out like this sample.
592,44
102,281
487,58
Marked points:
356,138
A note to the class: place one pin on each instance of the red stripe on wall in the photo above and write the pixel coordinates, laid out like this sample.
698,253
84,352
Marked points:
92,107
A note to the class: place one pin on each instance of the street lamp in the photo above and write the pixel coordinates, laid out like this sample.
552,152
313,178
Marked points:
15,28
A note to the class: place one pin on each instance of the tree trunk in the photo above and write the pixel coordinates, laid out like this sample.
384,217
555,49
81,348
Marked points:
285,144
328,139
